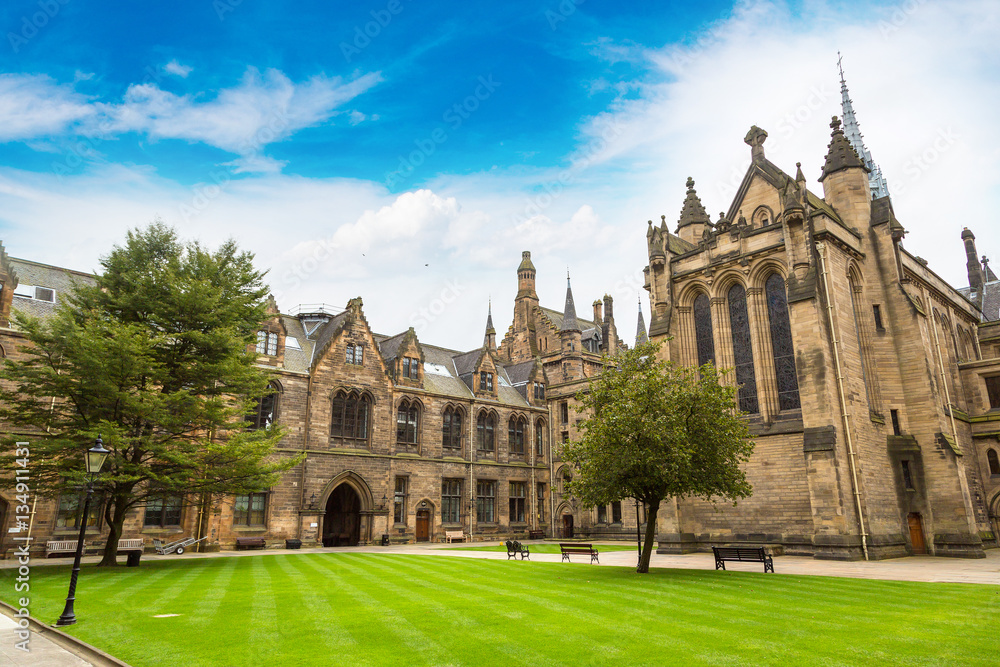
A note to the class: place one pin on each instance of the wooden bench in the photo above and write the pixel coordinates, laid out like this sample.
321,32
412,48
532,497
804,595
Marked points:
581,549
61,547
515,549
133,548
742,555
250,543
452,535
536,534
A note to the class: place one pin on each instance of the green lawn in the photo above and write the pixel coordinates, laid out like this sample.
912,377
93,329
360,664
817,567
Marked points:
384,609
544,548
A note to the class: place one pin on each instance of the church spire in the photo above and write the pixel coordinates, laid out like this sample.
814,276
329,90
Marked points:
490,340
852,130
640,328
569,322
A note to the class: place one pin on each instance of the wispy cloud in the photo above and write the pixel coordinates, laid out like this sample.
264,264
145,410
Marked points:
175,68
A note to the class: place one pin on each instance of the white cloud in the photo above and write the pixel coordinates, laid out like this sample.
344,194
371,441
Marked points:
175,68
35,105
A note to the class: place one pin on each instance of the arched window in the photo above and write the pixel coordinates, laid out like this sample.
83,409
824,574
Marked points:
540,439
991,456
451,429
515,435
703,330
407,415
265,412
739,324
485,432
350,414
781,343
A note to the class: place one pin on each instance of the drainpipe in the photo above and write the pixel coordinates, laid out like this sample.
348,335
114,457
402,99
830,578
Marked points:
472,489
821,250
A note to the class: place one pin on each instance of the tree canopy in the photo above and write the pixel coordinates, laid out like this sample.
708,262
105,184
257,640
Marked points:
156,357
656,430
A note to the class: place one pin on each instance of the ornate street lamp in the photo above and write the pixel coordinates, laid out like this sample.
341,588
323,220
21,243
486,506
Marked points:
95,458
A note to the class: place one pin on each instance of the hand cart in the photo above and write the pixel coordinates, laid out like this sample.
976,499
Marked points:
175,547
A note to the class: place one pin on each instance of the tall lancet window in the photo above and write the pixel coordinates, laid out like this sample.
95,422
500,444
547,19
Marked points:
703,330
781,343
739,324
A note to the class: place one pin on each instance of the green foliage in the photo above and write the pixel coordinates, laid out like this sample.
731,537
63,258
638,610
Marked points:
657,430
390,609
154,357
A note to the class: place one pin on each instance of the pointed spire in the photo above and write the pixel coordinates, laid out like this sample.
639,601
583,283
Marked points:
640,327
569,322
490,339
852,130
693,212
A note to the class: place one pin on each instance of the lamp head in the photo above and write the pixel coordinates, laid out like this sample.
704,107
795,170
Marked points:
96,456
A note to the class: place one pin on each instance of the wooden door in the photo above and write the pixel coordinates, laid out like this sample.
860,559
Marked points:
423,525
567,525
917,534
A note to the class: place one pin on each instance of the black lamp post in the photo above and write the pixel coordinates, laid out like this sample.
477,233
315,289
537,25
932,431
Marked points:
95,458
638,535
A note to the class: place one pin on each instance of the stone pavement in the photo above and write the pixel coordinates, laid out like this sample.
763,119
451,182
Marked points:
43,652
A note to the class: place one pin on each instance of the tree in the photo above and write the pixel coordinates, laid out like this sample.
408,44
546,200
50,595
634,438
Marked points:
155,356
657,430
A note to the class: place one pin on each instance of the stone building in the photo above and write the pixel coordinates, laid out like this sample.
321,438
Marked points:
867,377
401,438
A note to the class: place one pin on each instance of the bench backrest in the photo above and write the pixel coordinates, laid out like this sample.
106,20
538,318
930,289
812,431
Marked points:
61,545
130,543
576,545
739,552
453,533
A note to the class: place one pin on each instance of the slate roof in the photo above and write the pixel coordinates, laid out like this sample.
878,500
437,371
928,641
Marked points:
557,319
519,373
991,299
297,360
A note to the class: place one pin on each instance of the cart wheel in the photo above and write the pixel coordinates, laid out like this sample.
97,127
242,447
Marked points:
180,550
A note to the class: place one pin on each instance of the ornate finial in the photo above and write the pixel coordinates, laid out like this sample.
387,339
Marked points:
663,219
840,59
799,176
835,124
755,139
690,184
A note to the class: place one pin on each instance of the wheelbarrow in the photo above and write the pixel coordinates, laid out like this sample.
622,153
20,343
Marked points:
175,547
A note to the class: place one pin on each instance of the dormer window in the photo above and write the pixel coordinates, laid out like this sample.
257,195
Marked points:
267,343
411,368
355,354
539,390
37,293
485,381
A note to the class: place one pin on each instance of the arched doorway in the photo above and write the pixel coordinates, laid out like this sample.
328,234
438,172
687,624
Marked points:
424,525
342,521
917,541
994,513
567,525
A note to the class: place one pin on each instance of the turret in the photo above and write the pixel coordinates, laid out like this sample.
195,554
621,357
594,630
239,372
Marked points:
845,180
608,329
694,219
526,277
972,264
598,316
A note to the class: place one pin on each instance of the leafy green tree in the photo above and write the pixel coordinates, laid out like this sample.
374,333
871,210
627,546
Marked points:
155,356
657,430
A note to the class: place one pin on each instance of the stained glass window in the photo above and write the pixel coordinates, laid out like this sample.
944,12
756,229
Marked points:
781,343
703,330
739,324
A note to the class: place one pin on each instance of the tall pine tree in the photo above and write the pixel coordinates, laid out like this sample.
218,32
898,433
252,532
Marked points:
156,358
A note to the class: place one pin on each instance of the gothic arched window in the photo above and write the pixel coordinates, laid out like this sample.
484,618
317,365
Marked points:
265,412
515,435
994,461
703,330
485,432
406,422
451,429
349,419
739,325
539,439
781,343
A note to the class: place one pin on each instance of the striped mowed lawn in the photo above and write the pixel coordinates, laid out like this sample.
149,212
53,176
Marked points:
386,609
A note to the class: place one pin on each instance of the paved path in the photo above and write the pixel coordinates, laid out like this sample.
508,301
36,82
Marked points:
912,568
42,651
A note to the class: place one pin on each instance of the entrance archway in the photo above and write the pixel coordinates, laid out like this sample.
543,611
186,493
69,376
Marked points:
567,525
917,534
342,521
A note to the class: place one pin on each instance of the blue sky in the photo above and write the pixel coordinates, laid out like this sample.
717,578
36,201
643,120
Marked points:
407,152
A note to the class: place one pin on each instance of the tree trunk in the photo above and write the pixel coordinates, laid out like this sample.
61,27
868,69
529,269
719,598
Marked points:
115,529
647,548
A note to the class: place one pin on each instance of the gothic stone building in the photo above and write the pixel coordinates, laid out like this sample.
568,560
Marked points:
871,384
401,438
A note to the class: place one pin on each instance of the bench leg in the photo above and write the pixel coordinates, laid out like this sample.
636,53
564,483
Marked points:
565,557
720,565
769,566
